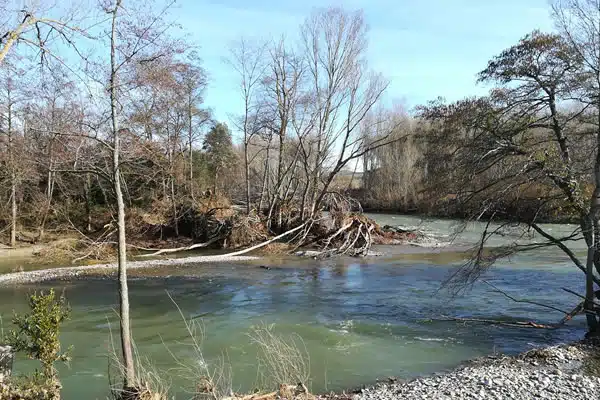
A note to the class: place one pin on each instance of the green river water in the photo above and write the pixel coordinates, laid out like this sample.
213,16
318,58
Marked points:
359,319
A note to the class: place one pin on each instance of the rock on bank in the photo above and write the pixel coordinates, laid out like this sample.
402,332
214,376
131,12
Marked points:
569,372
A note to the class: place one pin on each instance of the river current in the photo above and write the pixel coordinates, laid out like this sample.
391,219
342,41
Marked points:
358,319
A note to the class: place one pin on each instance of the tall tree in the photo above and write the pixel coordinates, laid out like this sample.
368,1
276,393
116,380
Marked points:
248,61
218,146
344,92
283,93
124,318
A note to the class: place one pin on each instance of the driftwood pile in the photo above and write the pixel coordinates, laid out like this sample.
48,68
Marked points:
339,233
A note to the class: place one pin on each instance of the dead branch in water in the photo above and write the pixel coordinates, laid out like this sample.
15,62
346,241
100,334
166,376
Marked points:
577,310
517,324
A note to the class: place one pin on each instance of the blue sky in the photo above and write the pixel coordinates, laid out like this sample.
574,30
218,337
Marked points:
427,48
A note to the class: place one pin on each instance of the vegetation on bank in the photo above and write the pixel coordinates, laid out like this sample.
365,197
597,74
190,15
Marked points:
36,336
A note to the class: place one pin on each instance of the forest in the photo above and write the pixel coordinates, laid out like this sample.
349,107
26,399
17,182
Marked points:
106,141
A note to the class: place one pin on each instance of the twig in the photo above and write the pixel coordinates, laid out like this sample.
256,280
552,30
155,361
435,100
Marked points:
523,300
580,296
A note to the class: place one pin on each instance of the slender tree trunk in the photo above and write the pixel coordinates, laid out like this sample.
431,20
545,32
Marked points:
247,174
591,317
174,205
316,178
305,198
48,205
190,140
50,183
13,174
129,378
352,176
13,202
215,183
265,177
88,202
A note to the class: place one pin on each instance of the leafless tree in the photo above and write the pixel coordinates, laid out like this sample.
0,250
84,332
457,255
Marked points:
344,92
248,61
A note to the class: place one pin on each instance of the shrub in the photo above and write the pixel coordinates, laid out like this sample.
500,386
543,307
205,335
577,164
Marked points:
37,336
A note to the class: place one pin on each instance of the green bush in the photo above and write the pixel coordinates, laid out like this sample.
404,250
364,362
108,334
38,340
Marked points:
37,336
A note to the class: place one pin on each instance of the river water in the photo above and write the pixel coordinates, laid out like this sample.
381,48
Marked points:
359,320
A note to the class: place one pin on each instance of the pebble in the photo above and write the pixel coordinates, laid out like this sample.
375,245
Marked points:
550,376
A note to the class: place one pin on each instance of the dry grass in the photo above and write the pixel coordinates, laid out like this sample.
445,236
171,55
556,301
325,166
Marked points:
283,369
246,231
149,385
212,382
276,249
281,361
75,250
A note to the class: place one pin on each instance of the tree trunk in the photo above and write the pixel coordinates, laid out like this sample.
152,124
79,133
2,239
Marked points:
13,219
264,180
48,205
304,198
591,316
129,369
316,177
191,140
88,202
215,183
13,174
247,174
174,205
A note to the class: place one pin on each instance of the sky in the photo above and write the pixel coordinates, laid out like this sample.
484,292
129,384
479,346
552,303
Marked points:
427,48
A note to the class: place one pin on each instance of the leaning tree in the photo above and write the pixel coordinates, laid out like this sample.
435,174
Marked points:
522,153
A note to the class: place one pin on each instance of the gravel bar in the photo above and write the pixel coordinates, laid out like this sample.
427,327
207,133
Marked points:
68,272
560,372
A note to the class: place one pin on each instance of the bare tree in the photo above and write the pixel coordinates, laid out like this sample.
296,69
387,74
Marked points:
283,92
12,157
344,92
116,179
247,59
36,27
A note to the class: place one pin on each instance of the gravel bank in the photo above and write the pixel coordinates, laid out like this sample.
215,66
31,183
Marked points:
67,272
561,372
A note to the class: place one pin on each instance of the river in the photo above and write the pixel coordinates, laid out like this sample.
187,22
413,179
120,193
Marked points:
359,320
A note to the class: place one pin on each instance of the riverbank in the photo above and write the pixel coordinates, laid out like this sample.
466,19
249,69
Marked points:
569,372
58,272
71,272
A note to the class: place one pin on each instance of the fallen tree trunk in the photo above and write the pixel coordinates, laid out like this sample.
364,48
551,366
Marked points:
184,248
263,244
216,239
